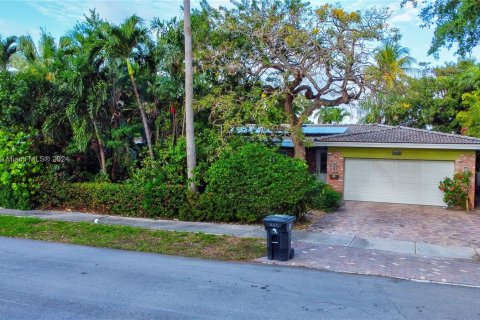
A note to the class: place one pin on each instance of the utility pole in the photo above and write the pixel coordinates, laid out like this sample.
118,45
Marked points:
191,152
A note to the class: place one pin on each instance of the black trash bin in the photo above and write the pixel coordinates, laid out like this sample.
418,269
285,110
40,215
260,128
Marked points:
279,236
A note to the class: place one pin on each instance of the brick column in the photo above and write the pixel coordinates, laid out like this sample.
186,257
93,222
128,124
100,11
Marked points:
335,158
468,161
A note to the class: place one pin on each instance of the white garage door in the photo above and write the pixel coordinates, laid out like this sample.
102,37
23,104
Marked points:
396,181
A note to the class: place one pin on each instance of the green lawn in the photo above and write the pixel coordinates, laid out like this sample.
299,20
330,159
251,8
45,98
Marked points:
186,244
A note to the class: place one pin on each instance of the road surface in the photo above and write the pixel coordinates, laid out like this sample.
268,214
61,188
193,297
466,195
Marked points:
40,280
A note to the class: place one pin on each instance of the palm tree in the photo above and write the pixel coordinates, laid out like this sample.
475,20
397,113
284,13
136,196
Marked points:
392,63
41,57
126,41
331,115
7,50
470,79
191,152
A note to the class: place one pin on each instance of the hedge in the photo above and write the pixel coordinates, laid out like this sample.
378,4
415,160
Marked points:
111,198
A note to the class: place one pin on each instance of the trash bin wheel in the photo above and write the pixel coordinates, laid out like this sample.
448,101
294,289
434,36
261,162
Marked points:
292,253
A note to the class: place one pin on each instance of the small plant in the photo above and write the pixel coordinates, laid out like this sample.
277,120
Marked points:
455,190
324,197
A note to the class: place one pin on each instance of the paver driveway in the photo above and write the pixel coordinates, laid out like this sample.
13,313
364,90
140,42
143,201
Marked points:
404,222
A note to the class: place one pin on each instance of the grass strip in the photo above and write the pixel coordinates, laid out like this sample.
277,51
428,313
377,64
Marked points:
187,244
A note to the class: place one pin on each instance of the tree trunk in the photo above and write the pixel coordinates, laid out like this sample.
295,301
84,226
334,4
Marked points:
295,128
191,152
299,147
146,127
101,147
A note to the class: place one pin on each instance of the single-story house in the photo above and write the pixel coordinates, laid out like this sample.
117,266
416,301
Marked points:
382,163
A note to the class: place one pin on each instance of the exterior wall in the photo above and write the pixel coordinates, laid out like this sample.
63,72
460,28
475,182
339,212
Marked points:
335,159
468,161
464,159
406,154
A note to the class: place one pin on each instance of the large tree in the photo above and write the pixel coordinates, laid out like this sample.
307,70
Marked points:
295,50
129,41
455,22
431,100
470,119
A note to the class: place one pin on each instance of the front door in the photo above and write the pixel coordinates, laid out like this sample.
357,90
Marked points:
321,164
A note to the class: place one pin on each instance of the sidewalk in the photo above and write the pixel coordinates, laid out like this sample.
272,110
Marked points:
383,263
312,237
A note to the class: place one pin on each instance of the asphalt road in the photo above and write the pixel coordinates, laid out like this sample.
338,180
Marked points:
40,280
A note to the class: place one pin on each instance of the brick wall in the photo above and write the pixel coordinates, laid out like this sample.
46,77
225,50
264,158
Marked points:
468,161
335,157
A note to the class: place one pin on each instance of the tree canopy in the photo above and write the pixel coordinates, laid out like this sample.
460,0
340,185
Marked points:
455,22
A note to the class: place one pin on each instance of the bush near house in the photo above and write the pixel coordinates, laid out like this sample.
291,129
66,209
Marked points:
455,190
325,198
252,182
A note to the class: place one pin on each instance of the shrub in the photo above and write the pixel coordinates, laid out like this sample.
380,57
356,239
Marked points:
249,183
162,181
151,200
54,189
324,197
18,167
455,190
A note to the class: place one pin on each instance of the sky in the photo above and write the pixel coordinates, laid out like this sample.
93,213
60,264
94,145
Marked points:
57,17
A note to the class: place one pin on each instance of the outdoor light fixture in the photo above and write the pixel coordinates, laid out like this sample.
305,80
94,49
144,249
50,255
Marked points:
334,175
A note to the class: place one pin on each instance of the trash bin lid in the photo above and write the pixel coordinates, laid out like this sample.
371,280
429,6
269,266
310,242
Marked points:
280,218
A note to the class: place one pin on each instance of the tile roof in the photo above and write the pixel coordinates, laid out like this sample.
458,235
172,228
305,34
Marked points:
375,133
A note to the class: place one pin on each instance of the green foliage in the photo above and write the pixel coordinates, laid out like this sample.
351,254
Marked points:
22,100
54,189
324,197
251,182
432,100
455,21
153,199
470,119
18,167
455,190
8,47
392,62
331,115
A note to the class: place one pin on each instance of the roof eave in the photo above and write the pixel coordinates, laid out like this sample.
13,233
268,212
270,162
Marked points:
397,145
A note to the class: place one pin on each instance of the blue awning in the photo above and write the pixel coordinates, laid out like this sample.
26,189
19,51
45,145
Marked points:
287,143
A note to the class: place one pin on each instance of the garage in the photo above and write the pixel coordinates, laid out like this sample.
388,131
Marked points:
396,181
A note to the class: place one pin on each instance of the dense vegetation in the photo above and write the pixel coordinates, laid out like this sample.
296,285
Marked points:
97,116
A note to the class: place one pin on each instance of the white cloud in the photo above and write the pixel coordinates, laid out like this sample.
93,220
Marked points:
69,12
65,12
